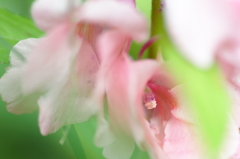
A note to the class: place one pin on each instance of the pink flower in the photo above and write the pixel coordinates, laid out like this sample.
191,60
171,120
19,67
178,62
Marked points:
146,107
58,72
121,81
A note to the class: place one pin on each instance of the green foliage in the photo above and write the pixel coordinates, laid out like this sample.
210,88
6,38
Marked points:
14,28
145,7
20,7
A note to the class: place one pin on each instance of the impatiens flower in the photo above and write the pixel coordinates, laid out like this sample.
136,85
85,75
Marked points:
57,73
118,138
146,107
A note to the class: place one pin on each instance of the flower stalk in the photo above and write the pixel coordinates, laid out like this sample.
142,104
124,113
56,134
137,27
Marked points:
156,28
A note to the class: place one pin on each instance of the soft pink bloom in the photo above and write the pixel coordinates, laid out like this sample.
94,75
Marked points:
145,106
57,73
120,81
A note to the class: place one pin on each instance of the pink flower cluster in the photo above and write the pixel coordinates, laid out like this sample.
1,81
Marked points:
83,58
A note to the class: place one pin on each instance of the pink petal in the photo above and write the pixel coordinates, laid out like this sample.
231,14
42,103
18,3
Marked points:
228,57
48,15
131,2
50,61
183,137
118,90
183,110
126,113
197,29
237,153
182,140
70,101
231,140
235,99
142,73
109,46
114,14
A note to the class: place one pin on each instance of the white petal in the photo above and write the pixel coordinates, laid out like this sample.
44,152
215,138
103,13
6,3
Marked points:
104,135
231,141
21,51
114,14
198,27
11,81
11,92
121,148
70,100
47,14
49,63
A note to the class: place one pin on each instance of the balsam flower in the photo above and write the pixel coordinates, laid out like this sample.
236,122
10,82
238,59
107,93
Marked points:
59,70
145,106
124,128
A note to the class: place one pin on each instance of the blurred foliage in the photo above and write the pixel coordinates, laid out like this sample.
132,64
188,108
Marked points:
21,7
14,28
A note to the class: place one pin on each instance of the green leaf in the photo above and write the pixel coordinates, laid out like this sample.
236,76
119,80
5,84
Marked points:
21,7
204,90
14,28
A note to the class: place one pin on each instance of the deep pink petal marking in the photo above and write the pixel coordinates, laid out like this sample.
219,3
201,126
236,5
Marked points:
146,45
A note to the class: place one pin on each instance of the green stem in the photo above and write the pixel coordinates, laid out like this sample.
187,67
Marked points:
76,143
156,28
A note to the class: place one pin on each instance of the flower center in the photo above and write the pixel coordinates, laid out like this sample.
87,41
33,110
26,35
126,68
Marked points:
88,31
159,97
149,99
